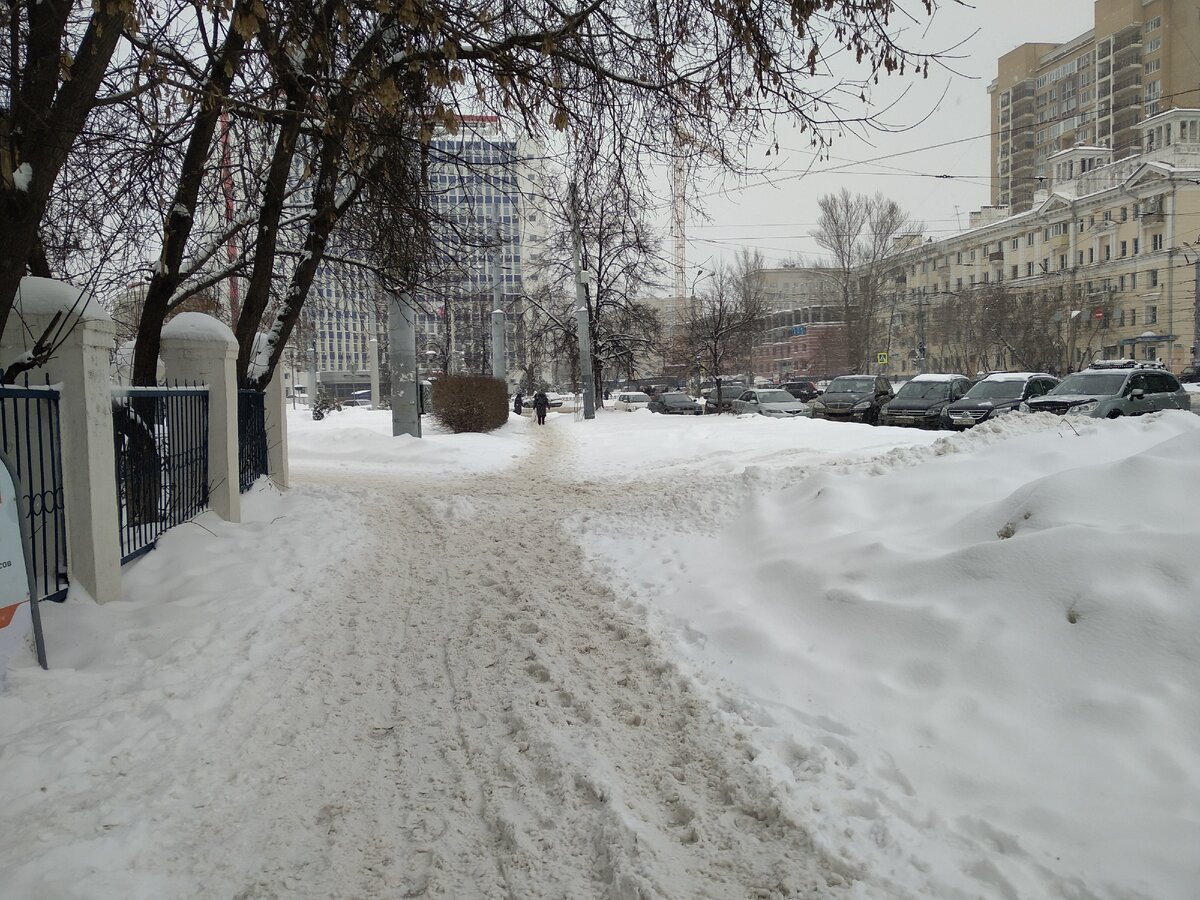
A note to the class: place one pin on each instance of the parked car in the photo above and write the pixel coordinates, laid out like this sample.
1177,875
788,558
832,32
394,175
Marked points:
773,402
729,393
994,394
356,401
853,398
922,399
628,401
676,403
801,390
1112,388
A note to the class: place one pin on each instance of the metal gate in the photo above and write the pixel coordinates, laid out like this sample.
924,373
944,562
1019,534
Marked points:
252,437
29,434
161,442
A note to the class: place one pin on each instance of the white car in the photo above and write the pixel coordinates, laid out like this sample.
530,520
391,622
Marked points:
631,400
772,402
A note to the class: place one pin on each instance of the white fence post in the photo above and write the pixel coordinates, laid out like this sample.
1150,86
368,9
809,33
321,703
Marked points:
81,368
199,349
275,414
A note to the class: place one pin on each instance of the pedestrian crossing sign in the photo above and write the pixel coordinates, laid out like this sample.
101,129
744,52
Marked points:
881,358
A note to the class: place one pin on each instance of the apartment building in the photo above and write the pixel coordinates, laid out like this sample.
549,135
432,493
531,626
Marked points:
805,333
1138,59
1101,265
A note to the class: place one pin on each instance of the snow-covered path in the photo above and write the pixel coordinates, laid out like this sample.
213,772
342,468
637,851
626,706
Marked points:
473,718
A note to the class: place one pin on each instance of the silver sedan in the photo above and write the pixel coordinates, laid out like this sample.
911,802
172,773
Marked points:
772,402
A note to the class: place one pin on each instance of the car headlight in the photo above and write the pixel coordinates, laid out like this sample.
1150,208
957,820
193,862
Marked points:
865,404
817,406
1024,407
1083,408
934,411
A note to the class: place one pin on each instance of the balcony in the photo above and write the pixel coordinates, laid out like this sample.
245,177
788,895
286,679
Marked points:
1127,62
1130,37
996,256
1122,86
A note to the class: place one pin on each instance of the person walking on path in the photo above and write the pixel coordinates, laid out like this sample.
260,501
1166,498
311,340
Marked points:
518,402
541,403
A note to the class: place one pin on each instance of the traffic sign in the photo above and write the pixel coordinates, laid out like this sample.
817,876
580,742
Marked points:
881,358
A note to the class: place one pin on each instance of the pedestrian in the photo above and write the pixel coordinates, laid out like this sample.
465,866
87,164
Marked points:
541,403
518,402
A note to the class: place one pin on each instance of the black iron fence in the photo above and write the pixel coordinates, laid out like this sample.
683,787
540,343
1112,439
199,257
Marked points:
252,437
161,439
29,434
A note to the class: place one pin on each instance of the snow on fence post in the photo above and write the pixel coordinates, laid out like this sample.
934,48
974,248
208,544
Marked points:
81,367
198,349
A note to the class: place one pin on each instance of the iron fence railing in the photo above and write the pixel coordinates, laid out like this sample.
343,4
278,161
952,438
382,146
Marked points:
161,441
252,437
30,435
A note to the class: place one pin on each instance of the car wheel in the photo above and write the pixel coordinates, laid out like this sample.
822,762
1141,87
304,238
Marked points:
1114,414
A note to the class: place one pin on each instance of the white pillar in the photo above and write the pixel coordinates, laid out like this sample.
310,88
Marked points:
276,422
199,349
81,368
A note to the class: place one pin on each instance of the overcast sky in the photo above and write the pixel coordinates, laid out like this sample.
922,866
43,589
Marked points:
777,219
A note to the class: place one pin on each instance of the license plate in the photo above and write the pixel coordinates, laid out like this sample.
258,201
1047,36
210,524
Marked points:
904,420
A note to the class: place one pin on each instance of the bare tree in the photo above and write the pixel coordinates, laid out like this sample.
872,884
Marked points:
719,325
865,236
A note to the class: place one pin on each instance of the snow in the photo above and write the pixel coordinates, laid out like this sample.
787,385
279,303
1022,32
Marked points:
358,439
22,176
935,376
644,656
195,326
46,296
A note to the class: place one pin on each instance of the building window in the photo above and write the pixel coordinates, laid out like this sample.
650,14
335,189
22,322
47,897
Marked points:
1121,283
958,258
1014,271
1136,241
1153,273
1151,315
1081,257
1029,268
1108,251
1154,24
1156,242
1091,254
1120,318
1062,261
1132,318
1153,45
1124,248
1016,242
1029,239
1133,281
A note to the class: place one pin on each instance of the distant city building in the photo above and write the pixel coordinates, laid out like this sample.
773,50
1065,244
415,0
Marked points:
1138,59
482,182
1096,267
805,334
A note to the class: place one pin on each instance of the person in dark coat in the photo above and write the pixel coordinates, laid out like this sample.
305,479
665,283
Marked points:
541,403
518,402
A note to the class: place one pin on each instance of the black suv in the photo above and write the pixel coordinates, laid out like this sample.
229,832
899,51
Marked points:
997,393
853,398
675,403
921,400
801,390
1108,389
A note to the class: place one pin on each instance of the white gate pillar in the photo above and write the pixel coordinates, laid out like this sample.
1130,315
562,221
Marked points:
199,349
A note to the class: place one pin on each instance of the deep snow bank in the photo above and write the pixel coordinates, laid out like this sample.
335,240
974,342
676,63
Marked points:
981,669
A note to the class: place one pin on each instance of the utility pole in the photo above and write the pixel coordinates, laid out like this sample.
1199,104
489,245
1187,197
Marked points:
499,364
373,355
402,354
312,374
582,320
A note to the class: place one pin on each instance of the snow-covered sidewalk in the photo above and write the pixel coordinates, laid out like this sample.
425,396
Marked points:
637,658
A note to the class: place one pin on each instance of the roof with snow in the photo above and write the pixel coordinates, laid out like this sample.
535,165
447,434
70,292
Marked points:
47,296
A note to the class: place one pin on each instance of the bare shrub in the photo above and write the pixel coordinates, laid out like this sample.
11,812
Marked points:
473,403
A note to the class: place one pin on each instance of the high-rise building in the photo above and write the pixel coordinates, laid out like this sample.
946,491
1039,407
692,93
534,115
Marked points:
483,184
1138,59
